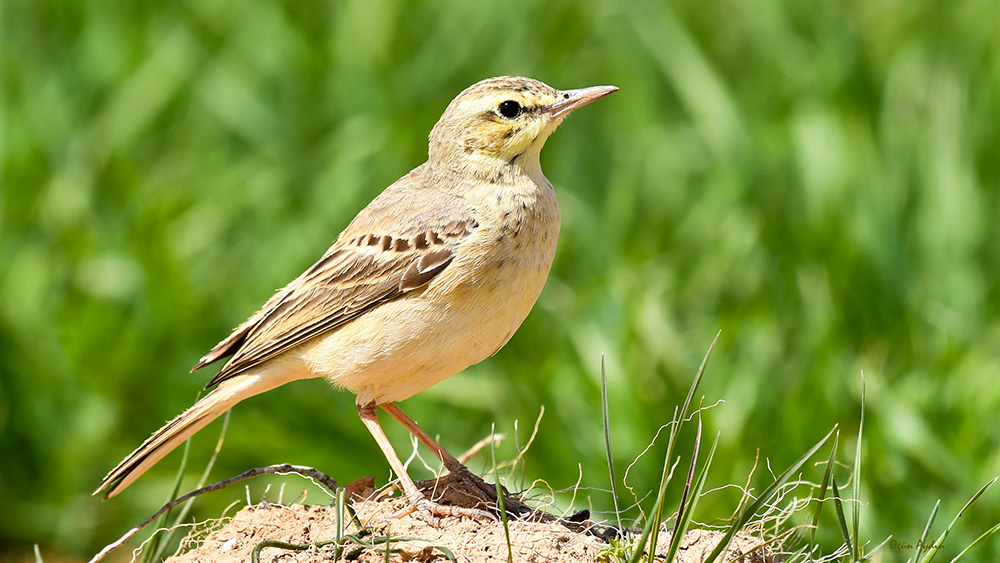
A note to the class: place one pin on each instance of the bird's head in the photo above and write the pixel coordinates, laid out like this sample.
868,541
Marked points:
502,123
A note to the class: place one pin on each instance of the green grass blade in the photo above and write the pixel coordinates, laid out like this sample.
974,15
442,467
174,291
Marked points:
695,384
400,539
186,507
156,544
687,511
981,538
690,476
800,554
339,532
856,484
651,528
501,506
765,497
605,422
354,538
940,541
684,496
824,485
875,549
838,504
927,529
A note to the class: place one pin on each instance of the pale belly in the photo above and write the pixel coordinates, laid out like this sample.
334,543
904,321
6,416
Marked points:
461,318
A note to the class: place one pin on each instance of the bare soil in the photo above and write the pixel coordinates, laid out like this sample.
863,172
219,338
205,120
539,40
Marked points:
304,534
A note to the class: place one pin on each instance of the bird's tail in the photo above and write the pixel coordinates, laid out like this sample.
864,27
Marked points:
175,432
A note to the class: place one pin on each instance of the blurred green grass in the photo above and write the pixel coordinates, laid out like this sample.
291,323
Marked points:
819,181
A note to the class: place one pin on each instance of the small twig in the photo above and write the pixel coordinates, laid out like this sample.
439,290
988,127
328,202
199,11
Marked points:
524,449
186,509
357,539
478,446
282,469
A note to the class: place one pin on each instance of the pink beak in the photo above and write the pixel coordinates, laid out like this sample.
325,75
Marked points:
572,99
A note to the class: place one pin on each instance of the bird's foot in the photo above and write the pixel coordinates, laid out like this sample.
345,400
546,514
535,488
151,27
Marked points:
431,512
488,492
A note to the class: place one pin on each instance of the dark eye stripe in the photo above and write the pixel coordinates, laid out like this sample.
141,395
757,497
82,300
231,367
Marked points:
494,114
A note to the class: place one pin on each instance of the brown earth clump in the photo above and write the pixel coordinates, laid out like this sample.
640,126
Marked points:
306,533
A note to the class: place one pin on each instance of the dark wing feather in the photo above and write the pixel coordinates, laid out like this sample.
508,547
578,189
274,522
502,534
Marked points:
360,272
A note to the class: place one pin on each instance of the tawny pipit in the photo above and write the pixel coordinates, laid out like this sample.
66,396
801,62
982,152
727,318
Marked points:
434,275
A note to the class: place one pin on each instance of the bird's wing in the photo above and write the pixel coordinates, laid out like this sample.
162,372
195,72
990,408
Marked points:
367,266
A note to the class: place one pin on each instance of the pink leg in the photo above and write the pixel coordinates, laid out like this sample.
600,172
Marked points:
449,461
455,467
429,510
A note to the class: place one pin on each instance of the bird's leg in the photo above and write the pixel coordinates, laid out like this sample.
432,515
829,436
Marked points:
428,509
454,466
449,461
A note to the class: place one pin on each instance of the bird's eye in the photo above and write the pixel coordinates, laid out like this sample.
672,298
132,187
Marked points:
509,109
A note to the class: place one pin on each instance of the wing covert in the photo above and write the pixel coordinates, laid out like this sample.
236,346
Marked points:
358,273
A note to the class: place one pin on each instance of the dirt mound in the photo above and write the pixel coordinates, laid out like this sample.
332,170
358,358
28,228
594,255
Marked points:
297,533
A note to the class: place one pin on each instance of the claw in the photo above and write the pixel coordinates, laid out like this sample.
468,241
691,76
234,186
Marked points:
431,512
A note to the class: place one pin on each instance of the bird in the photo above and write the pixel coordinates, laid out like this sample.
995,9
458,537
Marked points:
434,275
